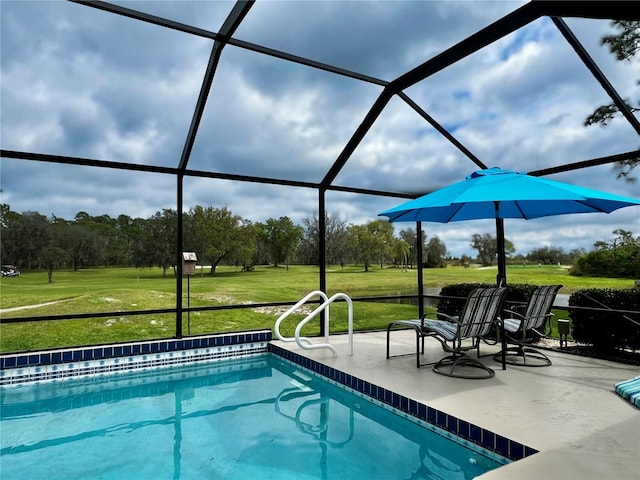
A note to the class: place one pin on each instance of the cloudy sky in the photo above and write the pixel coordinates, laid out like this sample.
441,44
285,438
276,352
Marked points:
77,81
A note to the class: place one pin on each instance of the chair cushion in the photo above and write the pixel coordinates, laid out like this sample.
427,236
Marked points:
409,323
447,329
629,390
512,325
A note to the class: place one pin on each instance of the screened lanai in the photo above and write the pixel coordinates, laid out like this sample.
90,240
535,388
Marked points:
307,109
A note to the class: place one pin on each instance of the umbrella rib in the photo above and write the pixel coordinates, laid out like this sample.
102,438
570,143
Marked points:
524,215
454,213
401,215
593,207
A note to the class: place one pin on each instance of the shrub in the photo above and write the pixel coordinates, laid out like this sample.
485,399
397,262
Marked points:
619,258
606,330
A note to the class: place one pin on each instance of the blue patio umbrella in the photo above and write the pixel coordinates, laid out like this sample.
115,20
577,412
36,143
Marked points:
500,194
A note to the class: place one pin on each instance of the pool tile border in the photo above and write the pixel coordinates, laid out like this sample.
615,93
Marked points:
462,429
98,359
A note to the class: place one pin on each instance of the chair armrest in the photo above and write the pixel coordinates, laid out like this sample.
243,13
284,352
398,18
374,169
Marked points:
514,314
518,309
544,332
443,317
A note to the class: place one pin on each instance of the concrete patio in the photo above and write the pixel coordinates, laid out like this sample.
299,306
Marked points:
568,411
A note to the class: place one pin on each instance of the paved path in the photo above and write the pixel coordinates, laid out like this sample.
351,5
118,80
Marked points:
26,307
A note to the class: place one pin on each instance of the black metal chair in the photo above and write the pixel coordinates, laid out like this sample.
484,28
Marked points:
522,329
458,334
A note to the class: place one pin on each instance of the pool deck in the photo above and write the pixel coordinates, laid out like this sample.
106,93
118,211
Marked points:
568,411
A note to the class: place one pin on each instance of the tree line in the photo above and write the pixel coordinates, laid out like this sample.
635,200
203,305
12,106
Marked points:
217,236
33,241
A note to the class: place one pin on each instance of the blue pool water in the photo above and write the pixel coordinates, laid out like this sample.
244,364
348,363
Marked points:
260,417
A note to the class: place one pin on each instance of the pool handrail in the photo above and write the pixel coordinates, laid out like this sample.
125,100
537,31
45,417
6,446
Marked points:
304,342
292,309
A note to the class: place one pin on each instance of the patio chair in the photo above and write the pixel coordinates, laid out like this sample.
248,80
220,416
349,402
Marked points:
522,329
458,334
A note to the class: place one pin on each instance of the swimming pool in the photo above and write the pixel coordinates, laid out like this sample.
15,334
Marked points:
256,417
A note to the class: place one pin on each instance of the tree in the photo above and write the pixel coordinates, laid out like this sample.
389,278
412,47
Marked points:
281,238
90,241
125,232
213,233
465,261
624,46
617,258
363,243
372,241
401,252
10,241
337,244
32,233
487,246
245,252
52,257
545,255
552,255
435,253
83,245
157,245
411,237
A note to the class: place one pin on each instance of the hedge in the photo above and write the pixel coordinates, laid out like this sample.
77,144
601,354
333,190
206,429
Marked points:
602,329
595,326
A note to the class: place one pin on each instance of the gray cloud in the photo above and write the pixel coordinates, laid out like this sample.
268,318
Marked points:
80,82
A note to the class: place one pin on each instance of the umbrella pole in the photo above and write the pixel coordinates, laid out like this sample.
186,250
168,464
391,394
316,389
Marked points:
420,271
501,279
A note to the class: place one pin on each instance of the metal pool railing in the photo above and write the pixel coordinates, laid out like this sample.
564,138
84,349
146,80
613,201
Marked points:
306,343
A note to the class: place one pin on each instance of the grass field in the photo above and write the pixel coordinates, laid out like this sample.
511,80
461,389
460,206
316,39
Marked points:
130,289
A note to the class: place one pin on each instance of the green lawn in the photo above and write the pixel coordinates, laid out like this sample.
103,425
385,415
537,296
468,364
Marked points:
130,289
